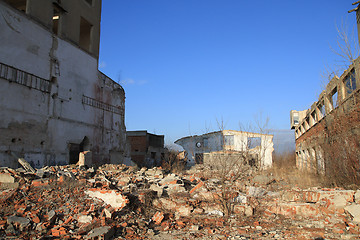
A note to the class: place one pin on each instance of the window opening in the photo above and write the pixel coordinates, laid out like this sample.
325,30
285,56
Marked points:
322,109
334,98
350,83
85,34
295,118
307,125
229,140
314,117
254,142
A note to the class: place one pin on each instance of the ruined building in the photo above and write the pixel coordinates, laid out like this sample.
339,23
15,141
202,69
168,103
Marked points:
255,148
54,102
330,129
147,149
327,135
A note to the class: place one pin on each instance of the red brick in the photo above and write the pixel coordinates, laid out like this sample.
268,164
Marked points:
199,185
158,217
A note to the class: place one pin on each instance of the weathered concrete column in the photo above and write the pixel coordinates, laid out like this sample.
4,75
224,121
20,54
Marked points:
85,158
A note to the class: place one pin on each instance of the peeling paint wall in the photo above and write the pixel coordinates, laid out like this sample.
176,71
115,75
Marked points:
52,97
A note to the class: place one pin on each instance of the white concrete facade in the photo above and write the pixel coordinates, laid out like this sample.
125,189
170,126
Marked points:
53,98
230,140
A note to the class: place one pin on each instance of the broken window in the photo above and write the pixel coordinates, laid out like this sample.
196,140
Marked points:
334,98
85,34
18,4
306,123
302,128
314,118
295,118
254,142
153,155
322,109
350,83
229,140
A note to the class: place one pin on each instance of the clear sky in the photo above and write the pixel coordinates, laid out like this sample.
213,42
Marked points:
185,63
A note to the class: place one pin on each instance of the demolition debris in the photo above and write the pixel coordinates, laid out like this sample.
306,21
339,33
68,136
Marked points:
121,202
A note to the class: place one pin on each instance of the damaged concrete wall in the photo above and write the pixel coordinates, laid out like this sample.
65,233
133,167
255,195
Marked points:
53,100
229,140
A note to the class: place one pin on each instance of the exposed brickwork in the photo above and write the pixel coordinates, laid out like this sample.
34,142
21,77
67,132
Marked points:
336,136
138,143
146,148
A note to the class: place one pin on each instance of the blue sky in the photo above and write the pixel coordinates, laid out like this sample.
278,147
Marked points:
186,63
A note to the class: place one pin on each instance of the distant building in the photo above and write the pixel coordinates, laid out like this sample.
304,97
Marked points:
54,103
258,147
147,149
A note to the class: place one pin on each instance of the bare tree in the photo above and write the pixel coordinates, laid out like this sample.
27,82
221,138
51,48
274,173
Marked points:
231,165
347,44
347,50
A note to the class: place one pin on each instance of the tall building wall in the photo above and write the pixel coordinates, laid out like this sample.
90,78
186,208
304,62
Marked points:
53,100
75,21
329,133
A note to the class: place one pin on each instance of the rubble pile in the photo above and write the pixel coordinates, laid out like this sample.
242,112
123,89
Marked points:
120,202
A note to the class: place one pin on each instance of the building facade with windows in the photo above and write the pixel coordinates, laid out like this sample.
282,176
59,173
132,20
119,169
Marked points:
327,134
330,130
147,149
54,101
259,146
